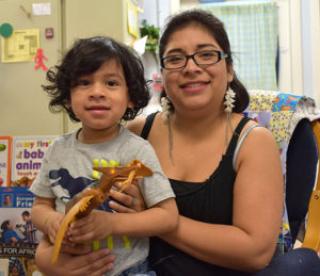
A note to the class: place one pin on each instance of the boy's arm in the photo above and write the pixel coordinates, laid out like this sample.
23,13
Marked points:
159,219
44,216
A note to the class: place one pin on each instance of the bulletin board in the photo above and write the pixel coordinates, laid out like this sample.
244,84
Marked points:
21,46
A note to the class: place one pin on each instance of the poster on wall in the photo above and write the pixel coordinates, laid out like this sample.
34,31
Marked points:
27,156
21,46
41,9
5,160
18,236
133,27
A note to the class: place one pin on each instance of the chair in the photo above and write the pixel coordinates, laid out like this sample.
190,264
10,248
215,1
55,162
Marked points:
295,124
312,235
302,160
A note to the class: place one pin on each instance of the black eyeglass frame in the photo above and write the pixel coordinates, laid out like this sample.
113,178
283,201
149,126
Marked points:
221,55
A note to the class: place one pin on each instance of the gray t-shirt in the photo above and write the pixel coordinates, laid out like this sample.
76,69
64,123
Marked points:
67,169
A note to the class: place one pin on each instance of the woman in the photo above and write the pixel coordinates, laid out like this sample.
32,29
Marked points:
221,190
225,171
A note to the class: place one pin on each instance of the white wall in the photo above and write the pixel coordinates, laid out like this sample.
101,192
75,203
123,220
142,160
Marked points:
156,11
291,75
300,47
311,48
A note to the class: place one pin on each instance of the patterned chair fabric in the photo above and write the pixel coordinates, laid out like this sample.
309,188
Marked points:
290,118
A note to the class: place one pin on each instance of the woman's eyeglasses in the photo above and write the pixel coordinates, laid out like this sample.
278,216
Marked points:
201,58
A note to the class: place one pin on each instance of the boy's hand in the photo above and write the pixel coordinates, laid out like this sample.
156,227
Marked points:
96,226
52,224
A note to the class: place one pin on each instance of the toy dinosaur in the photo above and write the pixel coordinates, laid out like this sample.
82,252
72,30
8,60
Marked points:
90,198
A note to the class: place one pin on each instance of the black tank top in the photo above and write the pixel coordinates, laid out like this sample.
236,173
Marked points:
210,201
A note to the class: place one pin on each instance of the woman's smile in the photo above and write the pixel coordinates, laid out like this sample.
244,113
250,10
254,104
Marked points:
194,87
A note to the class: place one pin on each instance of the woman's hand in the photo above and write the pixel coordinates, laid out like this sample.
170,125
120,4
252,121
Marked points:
76,249
129,201
94,264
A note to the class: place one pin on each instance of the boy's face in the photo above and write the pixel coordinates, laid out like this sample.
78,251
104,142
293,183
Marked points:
100,99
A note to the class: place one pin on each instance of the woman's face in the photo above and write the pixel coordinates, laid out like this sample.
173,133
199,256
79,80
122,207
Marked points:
194,87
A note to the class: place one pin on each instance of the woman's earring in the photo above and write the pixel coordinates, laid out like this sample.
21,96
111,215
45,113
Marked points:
229,100
166,106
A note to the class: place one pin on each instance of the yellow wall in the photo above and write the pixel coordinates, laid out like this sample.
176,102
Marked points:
23,103
85,18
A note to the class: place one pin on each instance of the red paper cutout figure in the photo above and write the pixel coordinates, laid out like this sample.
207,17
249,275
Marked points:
38,59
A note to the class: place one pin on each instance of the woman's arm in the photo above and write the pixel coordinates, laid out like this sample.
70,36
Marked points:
257,211
136,125
94,263
159,219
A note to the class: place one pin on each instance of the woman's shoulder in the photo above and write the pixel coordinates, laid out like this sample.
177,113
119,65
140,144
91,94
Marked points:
252,127
142,123
256,145
137,124
257,131
255,138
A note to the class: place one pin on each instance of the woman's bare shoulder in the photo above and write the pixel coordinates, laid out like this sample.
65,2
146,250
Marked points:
253,130
137,124
258,132
256,140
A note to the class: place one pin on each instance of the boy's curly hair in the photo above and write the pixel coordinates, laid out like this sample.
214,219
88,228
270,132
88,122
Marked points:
85,57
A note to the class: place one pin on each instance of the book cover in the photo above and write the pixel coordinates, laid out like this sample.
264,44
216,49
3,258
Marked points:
18,237
27,155
5,160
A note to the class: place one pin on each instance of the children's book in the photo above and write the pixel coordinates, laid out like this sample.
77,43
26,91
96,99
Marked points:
20,162
5,160
27,156
18,236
